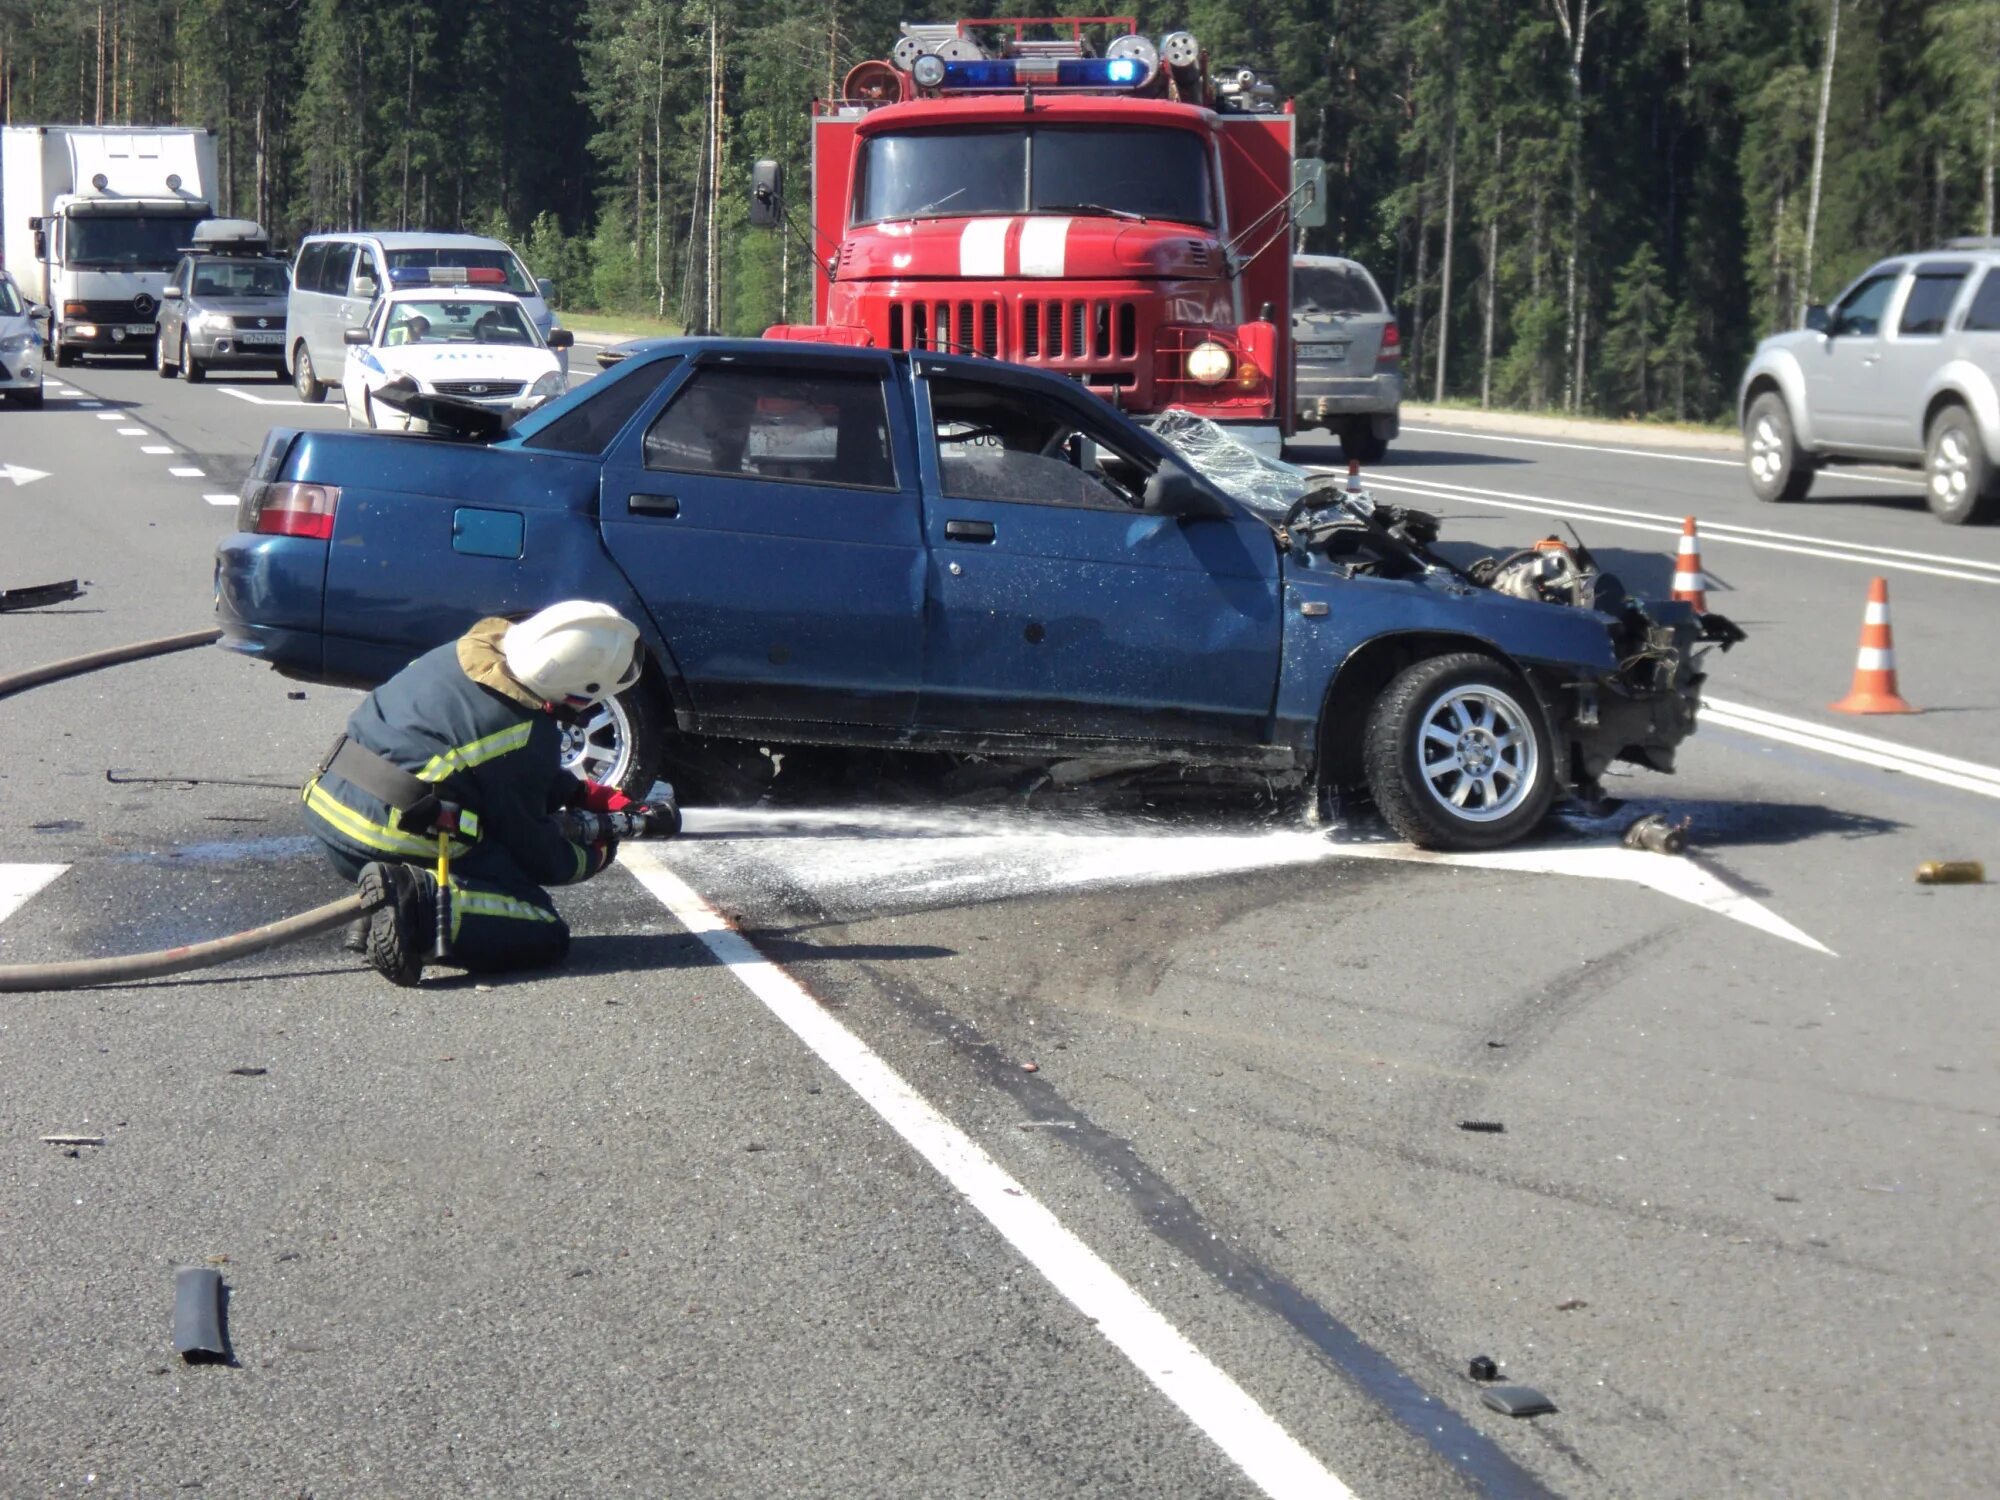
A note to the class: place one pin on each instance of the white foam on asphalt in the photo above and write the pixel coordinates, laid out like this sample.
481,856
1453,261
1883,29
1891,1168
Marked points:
19,882
867,858
1275,1461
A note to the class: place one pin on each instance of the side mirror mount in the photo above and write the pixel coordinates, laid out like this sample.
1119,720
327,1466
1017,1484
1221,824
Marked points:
1172,491
38,312
41,243
547,288
354,337
767,194
561,338
1817,320
172,293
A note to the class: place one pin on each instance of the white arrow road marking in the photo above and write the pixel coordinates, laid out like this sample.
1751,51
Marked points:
1275,1461
19,882
19,475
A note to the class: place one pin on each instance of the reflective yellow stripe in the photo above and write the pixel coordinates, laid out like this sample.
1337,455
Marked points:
358,827
463,757
493,904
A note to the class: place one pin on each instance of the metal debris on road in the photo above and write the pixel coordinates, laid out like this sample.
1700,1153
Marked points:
1517,1400
1571,1304
1483,1368
40,595
1483,1127
72,1140
198,1315
249,1072
1656,834
1951,872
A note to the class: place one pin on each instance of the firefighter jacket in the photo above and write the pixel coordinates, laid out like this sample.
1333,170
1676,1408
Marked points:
456,720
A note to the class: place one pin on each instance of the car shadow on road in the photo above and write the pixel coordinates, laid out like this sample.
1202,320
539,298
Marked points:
1829,492
651,952
1716,824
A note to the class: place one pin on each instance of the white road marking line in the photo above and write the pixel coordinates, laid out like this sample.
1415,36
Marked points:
1569,510
21,475
1886,755
133,432
256,400
19,882
220,499
1682,458
111,416
87,405
156,450
187,473
1270,1456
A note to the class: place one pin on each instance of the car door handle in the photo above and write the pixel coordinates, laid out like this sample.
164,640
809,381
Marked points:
968,531
654,505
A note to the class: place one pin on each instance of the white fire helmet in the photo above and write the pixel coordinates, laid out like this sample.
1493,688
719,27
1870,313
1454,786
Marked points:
576,652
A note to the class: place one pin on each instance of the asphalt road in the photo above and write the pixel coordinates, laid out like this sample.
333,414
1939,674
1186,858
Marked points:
695,1219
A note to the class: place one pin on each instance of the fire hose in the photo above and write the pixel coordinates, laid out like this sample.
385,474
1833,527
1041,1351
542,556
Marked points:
20,682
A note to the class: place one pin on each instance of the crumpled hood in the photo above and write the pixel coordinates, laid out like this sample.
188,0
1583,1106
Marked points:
1027,247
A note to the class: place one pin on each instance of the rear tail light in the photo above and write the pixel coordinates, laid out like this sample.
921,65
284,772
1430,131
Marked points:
1390,355
291,509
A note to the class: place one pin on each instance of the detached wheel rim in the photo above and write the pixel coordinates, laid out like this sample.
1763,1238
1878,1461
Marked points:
1476,753
1767,450
600,747
1951,469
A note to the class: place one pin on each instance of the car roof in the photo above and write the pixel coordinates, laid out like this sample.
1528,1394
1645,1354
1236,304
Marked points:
412,239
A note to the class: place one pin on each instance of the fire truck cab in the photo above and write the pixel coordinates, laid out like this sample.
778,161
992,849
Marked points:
1065,194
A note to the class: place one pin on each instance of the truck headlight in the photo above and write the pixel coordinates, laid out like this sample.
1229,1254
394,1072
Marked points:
548,387
1209,363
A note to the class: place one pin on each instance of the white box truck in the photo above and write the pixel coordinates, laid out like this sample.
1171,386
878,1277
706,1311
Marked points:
92,220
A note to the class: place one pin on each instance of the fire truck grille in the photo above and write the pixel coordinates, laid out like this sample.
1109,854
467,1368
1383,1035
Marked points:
1093,338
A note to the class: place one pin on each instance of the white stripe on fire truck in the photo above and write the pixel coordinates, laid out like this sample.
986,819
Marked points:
982,247
1044,247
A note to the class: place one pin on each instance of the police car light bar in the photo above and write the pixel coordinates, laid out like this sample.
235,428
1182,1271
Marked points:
403,276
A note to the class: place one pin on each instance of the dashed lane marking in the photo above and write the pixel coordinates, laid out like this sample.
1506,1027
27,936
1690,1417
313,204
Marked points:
220,499
111,416
19,882
1275,1461
256,400
1965,569
156,449
87,405
187,473
133,432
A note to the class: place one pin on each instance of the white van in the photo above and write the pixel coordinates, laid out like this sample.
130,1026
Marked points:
337,278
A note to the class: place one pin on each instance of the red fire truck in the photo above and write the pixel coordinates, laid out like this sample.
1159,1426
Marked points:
1066,194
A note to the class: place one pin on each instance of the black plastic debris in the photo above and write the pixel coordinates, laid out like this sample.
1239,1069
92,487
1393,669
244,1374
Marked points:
249,1072
1483,1127
40,595
1483,1368
1655,834
198,1315
1517,1400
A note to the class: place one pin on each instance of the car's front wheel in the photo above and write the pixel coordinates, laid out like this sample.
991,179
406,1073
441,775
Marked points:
191,369
1958,476
1457,754
161,364
304,380
1777,470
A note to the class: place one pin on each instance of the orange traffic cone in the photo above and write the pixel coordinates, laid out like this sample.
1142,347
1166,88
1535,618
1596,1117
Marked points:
1690,583
1874,690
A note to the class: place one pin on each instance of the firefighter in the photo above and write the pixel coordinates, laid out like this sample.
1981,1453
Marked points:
467,740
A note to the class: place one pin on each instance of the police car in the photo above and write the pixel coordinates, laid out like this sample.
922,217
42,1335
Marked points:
443,331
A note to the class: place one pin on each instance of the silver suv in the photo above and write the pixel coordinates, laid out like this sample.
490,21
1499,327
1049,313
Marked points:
1350,367
1903,369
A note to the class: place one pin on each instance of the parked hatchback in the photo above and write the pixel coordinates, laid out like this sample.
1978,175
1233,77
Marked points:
1350,366
337,278
1903,369
225,306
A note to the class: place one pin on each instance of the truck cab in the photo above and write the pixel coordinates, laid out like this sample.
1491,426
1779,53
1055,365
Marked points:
107,210
1099,208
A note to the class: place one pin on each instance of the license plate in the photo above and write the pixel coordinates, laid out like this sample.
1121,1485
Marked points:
274,336
135,330
1324,351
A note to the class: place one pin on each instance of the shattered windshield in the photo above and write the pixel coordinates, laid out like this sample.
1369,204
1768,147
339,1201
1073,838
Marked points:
1264,484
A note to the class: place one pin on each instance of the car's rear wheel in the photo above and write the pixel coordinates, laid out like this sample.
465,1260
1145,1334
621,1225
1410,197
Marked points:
1777,470
304,381
1360,444
1958,477
1457,754
191,369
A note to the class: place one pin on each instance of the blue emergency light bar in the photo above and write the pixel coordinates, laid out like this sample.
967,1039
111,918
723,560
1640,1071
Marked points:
1035,72
409,276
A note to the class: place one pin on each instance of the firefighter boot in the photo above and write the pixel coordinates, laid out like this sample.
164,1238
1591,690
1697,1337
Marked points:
401,931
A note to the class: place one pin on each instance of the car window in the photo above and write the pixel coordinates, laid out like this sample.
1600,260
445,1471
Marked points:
447,320
814,429
1984,314
339,262
1931,297
312,260
10,300
997,443
602,410
227,277
1860,312
1333,289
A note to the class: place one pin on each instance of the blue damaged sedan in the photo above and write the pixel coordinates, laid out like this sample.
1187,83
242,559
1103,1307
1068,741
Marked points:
848,547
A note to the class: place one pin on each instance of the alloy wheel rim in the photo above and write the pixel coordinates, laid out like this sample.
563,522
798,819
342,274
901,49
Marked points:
1767,446
599,748
1476,753
1951,466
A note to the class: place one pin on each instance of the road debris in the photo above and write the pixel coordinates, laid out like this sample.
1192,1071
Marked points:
249,1072
72,1140
1571,1304
198,1315
1951,872
1029,1067
1656,834
1517,1400
1482,1367
1483,1127
40,595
